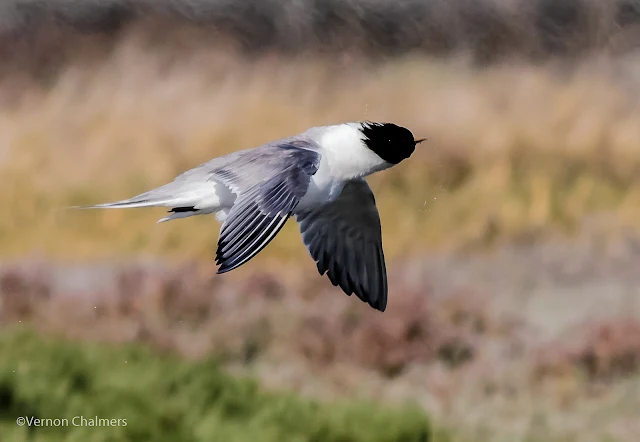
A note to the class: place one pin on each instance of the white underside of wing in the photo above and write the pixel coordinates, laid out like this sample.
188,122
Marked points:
206,197
212,196
221,215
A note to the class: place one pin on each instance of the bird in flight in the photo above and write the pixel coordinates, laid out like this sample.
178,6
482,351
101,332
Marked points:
317,177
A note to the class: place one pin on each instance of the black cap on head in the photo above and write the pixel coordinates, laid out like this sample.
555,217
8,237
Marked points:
389,141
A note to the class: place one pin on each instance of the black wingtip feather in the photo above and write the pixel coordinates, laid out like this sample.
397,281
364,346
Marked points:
222,270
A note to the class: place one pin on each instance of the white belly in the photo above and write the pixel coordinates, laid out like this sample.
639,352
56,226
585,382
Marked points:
322,190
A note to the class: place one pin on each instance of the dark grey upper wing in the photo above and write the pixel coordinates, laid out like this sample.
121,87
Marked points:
269,183
345,239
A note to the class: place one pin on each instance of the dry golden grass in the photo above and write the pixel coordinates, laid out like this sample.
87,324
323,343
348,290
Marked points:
516,151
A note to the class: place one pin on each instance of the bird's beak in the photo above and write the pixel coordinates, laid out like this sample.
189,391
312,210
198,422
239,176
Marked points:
420,140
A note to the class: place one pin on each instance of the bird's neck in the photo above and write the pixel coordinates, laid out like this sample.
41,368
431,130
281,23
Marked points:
346,154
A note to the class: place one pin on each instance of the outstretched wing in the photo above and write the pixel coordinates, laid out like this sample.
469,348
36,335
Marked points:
344,237
268,189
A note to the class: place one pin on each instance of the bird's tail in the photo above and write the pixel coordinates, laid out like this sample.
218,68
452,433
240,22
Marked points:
131,203
182,200
164,196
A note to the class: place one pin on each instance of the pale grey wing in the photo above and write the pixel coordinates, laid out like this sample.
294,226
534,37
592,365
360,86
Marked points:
250,166
242,169
344,237
268,191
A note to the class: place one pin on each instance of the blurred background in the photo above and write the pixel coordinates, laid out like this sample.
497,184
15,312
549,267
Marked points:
512,237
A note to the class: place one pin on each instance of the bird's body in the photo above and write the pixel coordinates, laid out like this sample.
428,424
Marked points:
317,177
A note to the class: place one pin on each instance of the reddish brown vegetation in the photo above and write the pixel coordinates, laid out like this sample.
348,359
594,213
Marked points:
22,292
187,310
602,351
415,329
447,346
240,319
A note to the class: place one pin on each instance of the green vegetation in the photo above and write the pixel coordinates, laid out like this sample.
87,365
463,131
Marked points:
164,398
